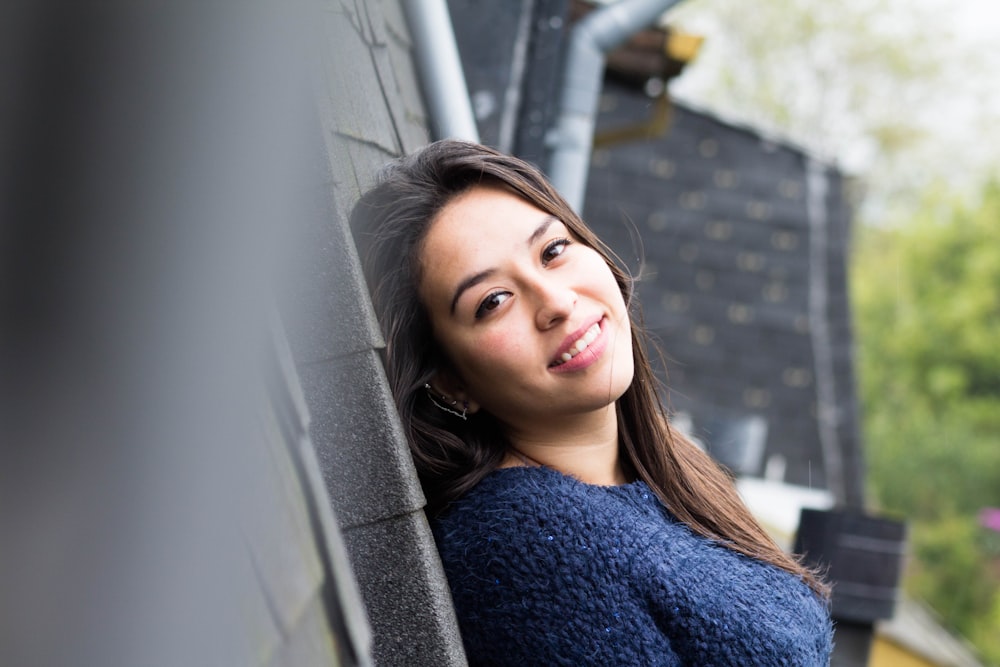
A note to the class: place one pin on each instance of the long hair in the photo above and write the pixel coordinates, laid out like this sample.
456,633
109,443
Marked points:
452,455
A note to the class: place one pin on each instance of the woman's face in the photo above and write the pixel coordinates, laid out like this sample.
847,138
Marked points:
531,319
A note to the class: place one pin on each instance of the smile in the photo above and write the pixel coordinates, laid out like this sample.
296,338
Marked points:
580,345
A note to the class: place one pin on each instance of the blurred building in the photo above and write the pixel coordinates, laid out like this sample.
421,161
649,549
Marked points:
739,243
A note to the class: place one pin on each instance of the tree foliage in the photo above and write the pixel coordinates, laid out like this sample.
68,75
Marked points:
847,68
927,299
888,88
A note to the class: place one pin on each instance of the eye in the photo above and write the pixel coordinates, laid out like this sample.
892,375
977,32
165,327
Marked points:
491,302
554,249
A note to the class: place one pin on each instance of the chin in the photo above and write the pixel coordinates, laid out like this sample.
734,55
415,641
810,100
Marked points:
619,382
623,388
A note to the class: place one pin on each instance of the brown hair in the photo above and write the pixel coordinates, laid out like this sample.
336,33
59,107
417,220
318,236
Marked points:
452,455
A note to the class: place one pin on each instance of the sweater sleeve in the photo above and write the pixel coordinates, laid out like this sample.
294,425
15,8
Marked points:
536,581
722,608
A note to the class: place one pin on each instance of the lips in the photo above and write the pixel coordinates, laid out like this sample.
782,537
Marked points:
579,342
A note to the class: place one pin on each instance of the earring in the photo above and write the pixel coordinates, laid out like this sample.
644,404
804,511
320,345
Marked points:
453,403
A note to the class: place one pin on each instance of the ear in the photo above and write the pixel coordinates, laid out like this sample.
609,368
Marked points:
450,388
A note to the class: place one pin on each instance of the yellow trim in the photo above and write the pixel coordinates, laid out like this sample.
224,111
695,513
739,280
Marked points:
886,653
683,47
655,126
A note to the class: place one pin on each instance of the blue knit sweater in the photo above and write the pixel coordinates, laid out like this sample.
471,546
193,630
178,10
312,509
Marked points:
547,570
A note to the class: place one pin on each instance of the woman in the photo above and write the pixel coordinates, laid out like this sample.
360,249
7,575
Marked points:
574,525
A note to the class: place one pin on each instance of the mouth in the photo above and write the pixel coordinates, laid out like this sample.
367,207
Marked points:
579,345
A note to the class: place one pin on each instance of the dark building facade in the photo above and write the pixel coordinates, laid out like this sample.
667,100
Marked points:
739,244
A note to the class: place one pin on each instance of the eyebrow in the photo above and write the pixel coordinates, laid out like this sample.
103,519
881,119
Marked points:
477,278
537,234
471,281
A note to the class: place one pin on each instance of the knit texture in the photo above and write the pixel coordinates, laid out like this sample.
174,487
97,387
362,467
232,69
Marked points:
547,570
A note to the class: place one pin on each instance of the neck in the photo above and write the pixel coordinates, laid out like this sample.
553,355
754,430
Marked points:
585,447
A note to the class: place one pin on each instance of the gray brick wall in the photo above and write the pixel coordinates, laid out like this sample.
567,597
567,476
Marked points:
370,111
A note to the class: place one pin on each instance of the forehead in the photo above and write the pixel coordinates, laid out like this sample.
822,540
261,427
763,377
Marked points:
477,230
484,207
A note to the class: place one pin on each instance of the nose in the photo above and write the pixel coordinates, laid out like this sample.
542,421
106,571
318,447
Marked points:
555,302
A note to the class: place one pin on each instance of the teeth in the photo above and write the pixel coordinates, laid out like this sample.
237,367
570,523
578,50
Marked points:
589,336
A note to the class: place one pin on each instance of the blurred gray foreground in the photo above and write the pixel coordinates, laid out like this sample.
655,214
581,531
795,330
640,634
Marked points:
161,501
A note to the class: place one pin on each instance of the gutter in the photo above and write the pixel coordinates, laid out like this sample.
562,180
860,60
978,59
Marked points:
440,69
828,413
571,140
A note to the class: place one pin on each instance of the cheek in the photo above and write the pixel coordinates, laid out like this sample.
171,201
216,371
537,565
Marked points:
491,361
497,349
599,275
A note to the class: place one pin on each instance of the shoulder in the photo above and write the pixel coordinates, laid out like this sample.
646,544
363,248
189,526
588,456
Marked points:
513,512
528,505
539,572
509,495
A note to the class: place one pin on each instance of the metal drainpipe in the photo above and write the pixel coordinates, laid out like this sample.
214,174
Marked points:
572,137
440,70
